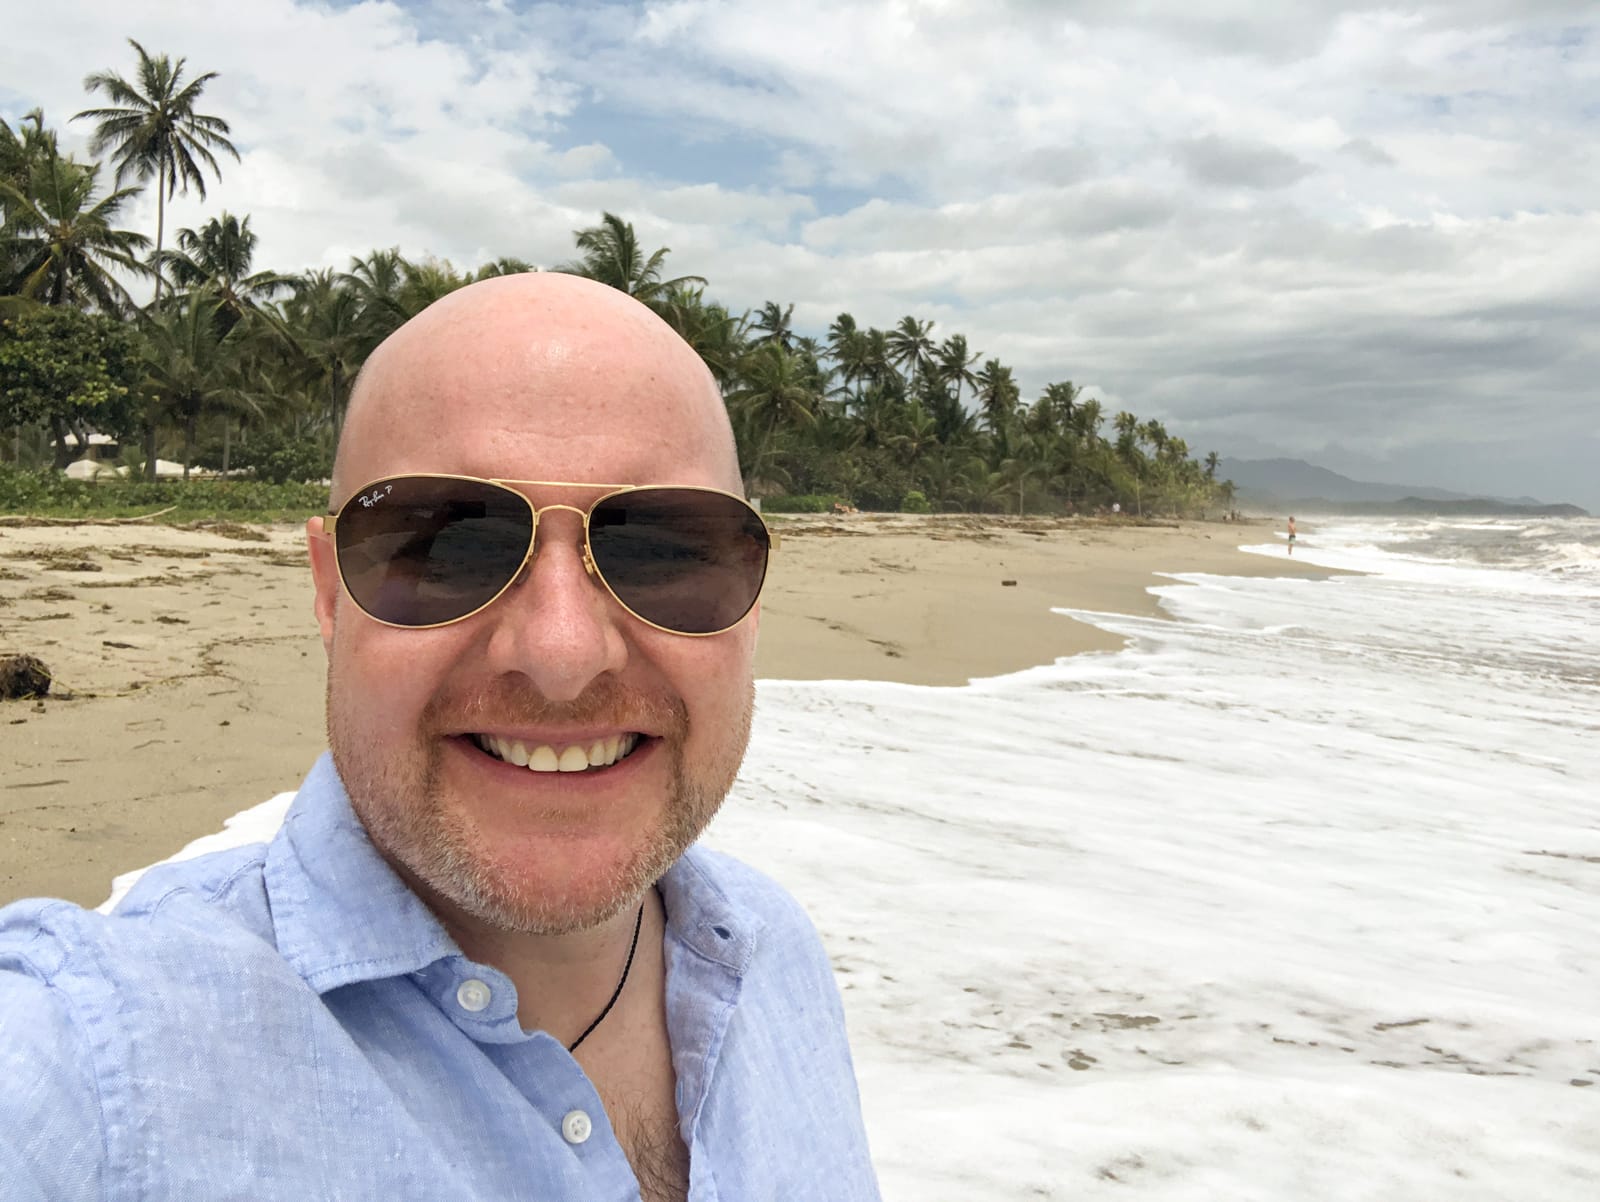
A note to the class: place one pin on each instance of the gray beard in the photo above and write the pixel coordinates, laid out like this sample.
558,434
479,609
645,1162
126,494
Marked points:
431,848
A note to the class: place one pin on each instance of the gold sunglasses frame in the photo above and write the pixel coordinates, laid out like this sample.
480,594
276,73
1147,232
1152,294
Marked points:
331,518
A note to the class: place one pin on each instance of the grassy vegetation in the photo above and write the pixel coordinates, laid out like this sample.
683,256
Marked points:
799,504
50,494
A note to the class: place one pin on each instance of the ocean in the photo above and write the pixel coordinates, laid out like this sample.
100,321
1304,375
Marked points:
1297,896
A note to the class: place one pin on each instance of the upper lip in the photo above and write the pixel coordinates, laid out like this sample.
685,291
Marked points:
554,738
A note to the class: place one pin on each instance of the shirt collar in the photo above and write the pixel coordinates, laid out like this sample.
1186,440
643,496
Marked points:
702,915
342,915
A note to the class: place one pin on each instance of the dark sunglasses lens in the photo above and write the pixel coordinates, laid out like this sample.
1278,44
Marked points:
686,560
416,551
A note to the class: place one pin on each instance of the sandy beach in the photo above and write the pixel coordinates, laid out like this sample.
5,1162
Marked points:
189,676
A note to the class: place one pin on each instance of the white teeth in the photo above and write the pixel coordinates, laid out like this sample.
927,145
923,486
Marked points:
575,757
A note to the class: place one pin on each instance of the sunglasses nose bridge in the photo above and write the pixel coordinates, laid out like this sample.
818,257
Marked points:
583,516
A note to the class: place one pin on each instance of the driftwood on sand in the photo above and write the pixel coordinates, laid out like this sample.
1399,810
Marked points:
23,519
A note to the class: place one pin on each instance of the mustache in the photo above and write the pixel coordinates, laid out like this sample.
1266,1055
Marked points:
605,703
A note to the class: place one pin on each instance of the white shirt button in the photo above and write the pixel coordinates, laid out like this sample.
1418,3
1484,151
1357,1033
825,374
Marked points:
575,1128
472,994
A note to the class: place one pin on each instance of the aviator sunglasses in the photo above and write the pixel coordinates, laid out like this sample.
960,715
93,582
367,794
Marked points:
428,550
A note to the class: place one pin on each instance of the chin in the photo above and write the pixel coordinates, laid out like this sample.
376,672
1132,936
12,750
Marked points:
569,897
545,885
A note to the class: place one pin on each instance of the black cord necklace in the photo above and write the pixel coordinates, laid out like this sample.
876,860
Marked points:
633,947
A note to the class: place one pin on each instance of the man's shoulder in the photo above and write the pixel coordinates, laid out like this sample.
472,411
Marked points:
228,881
213,899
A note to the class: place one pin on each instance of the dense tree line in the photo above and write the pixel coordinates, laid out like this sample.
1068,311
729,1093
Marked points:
233,366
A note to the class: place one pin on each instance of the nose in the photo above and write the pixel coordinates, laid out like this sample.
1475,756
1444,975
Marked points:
557,625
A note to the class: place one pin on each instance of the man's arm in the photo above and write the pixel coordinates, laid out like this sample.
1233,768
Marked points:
51,1144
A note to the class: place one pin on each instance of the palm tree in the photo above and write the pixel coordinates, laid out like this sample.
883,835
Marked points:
1027,459
1154,433
774,389
393,290
612,256
22,151
379,281
330,333
998,395
955,363
217,259
1054,409
1127,428
862,358
193,372
505,265
59,243
1212,460
879,370
911,347
811,353
840,333
428,281
716,335
915,434
155,131
1086,420
774,322
847,343
773,400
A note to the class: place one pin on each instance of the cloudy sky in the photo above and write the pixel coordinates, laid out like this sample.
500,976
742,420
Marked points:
1366,234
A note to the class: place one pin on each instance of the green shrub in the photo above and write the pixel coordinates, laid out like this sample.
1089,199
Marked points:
24,490
915,502
272,456
50,494
813,503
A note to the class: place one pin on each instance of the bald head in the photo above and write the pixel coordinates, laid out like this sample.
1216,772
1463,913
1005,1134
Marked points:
537,376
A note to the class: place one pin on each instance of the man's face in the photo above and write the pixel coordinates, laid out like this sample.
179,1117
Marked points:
543,381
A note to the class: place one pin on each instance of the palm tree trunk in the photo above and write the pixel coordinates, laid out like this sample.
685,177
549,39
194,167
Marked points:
188,440
336,402
227,442
161,221
150,449
61,454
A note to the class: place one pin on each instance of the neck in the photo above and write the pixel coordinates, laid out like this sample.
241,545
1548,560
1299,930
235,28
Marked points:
563,981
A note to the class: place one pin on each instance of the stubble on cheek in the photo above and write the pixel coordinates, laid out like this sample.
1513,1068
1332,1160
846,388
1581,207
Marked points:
394,781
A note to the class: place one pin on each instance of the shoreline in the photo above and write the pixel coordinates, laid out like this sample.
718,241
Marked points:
189,674
926,600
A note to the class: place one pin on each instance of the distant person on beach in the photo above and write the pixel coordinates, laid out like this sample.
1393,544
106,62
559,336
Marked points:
483,957
1291,534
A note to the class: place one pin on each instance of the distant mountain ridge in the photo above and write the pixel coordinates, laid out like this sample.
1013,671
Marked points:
1279,484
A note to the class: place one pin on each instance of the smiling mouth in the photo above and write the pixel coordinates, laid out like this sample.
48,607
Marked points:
572,757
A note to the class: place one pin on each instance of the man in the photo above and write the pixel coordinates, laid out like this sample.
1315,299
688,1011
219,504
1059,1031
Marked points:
481,959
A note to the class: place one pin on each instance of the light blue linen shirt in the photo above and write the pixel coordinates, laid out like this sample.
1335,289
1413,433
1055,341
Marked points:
289,1021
